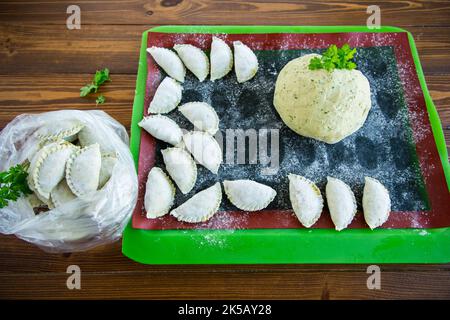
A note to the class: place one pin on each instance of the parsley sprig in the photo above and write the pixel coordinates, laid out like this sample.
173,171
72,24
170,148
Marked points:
334,58
100,77
13,184
100,100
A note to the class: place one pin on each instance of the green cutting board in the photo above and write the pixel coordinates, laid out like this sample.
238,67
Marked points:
253,246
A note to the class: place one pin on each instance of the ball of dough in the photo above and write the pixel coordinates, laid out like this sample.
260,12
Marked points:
323,105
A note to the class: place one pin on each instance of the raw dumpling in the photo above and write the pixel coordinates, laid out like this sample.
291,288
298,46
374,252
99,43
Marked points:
181,168
109,161
64,129
204,149
245,62
86,137
194,59
306,199
201,115
83,170
89,136
167,96
48,167
35,199
341,203
376,203
62,194
159,194
249,195
169,62
221,59
201,207
162,128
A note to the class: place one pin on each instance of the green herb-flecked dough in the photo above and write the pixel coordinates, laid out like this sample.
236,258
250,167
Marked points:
323,105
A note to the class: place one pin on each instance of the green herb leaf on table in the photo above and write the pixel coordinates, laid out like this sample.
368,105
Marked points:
13,184
100,77
87,89
100,100
334,58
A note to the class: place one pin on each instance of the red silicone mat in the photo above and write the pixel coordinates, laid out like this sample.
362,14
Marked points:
438,214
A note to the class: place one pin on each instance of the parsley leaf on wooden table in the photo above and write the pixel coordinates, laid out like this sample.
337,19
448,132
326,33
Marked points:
100,77
87,89
100,100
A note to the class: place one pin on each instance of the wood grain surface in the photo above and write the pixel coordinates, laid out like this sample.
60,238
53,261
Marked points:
42,67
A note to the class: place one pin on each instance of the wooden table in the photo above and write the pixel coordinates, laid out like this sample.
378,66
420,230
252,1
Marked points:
42,67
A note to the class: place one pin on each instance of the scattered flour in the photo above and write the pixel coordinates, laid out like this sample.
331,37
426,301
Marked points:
383,148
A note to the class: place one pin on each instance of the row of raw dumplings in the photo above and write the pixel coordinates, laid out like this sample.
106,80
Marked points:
196,61
246,195
307,201
61,171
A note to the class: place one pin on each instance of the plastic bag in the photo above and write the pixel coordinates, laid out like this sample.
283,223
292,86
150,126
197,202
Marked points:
82,223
